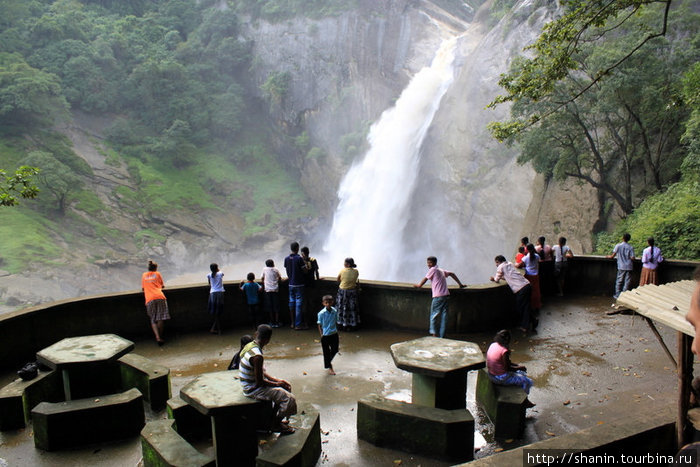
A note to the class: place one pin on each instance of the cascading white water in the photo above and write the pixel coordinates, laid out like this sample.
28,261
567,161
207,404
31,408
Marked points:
374,196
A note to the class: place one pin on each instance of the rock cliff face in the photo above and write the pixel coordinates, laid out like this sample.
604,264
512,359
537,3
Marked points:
472,200
345,71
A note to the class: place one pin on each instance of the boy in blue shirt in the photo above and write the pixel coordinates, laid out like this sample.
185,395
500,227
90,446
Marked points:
327,319
251,289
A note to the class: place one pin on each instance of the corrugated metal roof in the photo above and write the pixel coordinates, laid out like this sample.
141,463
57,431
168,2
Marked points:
667,303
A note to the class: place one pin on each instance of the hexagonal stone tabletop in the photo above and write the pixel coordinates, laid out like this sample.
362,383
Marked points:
84,349
436,357
212,392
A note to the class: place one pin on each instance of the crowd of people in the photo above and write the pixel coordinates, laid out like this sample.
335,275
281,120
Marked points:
536,268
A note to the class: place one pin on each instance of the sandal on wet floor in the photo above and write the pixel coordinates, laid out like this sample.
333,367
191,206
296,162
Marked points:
285,430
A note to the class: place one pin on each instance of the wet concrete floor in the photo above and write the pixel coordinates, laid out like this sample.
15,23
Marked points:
589,368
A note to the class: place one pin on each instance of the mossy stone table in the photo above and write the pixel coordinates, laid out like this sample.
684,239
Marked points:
88,364
234,417
439,367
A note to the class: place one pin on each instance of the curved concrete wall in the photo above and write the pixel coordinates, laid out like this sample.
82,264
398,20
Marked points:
479,307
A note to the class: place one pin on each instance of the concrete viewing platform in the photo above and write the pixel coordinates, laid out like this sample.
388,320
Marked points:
590,370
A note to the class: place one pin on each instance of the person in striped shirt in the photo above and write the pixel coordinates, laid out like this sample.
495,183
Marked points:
261,386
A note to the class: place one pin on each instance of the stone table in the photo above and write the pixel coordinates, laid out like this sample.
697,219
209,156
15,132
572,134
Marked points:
234,417
439,367
87,363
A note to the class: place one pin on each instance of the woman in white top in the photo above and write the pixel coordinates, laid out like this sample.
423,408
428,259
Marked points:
271,278
651,257
561,254
216,296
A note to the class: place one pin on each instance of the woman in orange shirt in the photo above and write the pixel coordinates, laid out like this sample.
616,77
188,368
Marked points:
156,305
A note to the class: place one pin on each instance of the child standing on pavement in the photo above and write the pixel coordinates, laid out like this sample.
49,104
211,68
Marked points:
251,289
215,305
271,278
327,319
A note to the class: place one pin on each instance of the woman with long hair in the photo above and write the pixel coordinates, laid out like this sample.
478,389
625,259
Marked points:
651,257
348,300
501,370
215,306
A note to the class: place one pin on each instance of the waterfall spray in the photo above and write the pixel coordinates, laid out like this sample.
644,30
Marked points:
374,195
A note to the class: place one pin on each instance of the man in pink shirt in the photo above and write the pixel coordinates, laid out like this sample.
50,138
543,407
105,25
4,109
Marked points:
438,283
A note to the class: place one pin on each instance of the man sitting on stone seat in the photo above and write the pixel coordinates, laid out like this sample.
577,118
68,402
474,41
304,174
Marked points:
261,386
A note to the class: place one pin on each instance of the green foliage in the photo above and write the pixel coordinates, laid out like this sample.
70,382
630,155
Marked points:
162,186
691,96
315,153
55,178
622,135
563,39
170,74
26,238
354,143
147,237
20,184
88,202
28,96
276,10
672,218
499,8
152,62
276,86
174,145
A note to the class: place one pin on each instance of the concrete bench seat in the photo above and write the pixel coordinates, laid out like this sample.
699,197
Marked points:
152,379
504,405
189,422
434,432
85,421
162,446
300,449
18,398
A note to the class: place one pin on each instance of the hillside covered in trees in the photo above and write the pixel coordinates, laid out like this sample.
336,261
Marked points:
174,129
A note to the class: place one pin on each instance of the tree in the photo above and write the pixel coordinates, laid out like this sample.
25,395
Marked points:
276,87
691,95
28,95
20,184
227,112
173,144
55,177
624,132
556,49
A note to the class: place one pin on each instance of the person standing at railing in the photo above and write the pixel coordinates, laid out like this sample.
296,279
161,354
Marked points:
521,288
625,255
215,306
562,253
651,258
156,306
441,294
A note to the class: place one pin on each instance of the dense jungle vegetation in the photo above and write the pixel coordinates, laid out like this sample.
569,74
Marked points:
169,78
610,98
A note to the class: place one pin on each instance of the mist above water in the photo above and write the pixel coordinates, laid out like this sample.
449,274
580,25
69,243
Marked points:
375,195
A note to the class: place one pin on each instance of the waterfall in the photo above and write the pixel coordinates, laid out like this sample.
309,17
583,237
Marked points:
374,196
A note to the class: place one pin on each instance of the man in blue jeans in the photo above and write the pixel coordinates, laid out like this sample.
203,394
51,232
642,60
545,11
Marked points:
438,283
294,264
625,255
